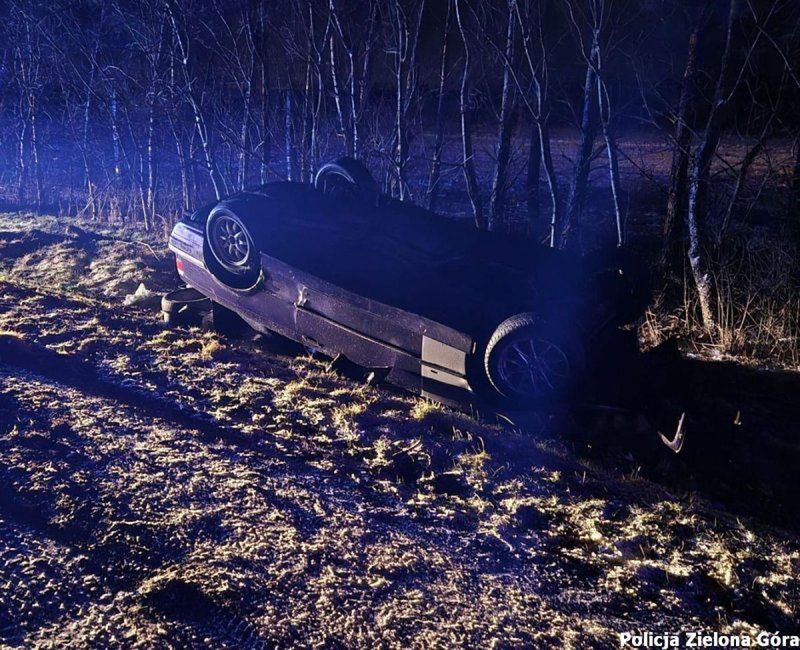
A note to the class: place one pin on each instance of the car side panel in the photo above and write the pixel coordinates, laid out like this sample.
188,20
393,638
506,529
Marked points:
388,324
419,354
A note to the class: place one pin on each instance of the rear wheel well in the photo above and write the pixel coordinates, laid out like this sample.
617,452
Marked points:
350,178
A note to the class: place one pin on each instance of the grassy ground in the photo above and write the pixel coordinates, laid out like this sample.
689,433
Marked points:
172,487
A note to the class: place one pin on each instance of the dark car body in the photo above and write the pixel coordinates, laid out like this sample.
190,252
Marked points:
394,287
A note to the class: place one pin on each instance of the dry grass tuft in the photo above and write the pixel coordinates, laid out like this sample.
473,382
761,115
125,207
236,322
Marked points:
343,416
424,408
210,349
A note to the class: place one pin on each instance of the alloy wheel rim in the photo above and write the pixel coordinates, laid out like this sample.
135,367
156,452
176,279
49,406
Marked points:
230,241
532,366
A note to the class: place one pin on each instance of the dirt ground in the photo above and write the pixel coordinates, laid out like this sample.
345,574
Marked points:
174,488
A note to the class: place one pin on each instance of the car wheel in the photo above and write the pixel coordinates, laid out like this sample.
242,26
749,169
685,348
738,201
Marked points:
349,179
233,250
530,362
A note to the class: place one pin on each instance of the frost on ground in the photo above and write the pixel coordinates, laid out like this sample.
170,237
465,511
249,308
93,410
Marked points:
174,488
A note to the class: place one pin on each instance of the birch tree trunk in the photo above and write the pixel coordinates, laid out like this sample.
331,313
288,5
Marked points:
199,119
552,181
151,130
571,234
266,139
532,176
23,168
305,152
349,116
404,46
432,195
539,108
287,134
348,119
401,52
363,78
698,181
150,213
317,93
676,196
344,132
183,166
29,62
180,147
604,109
36,154
497,198
244,138
355,145
466,130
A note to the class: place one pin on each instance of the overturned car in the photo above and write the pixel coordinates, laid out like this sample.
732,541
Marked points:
425,302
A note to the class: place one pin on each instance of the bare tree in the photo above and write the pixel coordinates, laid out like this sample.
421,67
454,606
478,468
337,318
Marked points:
432,194
571,232
538,106
344,124
605,112
263,56
755,149
350,116
313,90
147,108
699,167
181,44
468,162
149,34
406,23
676,196
497,198
28,57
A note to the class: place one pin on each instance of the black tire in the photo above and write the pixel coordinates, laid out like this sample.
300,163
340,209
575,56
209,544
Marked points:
182,306
233,256
347,178
177,300
530,362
